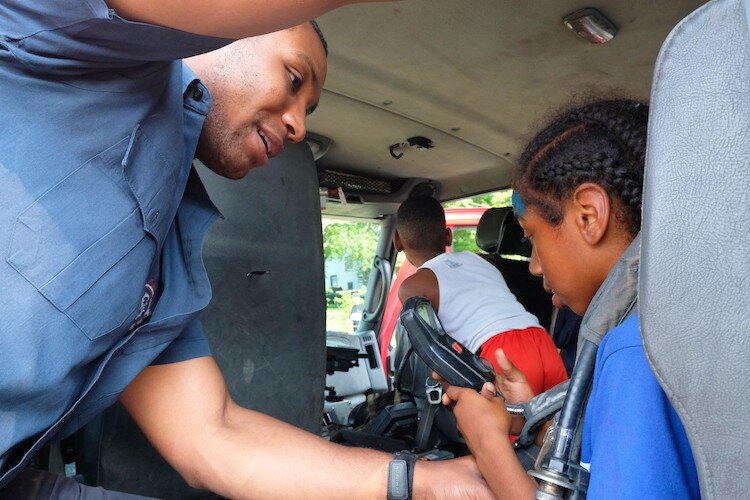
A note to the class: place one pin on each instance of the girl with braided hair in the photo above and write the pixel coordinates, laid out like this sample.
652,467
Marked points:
577,196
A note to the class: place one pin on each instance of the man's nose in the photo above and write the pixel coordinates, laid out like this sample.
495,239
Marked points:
294,120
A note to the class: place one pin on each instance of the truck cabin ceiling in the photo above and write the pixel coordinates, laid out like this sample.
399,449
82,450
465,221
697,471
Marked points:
474,77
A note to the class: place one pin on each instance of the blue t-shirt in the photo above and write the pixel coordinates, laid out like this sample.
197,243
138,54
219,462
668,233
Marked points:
632,437
98,127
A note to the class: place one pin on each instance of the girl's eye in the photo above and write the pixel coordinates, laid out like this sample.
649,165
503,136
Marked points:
295,81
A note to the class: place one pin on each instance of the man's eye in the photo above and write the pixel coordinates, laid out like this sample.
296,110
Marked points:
296,82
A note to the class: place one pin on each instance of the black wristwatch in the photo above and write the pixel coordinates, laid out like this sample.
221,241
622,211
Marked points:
401,475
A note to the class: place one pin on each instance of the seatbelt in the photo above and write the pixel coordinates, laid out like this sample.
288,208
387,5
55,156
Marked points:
434,392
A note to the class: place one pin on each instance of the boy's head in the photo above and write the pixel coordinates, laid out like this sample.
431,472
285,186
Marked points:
578,196
420,227
262,90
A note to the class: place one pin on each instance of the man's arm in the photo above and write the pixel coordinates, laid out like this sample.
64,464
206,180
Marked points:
186,412
423,283
226,18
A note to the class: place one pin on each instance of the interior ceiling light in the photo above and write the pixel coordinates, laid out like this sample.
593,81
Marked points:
417,142
318,144
591,24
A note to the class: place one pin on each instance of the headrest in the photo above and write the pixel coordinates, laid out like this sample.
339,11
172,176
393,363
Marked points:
695,257
498,232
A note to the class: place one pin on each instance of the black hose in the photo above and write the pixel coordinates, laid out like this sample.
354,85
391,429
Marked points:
580,381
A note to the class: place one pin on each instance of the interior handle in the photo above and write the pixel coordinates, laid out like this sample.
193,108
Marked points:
384,268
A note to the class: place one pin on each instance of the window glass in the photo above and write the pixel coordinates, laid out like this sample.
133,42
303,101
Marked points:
349,250
464,238
494,199
400,259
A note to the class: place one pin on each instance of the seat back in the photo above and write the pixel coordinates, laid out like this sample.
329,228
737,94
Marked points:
265,323
695,258
500,235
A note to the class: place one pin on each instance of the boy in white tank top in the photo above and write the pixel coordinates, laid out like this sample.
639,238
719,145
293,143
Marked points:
471,297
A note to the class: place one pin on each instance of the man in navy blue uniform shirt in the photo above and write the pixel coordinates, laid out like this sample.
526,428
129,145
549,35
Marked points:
102,222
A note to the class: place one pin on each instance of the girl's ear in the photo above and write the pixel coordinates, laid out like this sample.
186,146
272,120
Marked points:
592,207
448,237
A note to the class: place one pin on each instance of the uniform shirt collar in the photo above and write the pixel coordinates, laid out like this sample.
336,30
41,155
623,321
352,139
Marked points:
195,94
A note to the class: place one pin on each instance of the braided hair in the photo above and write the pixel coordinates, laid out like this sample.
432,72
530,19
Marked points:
602,143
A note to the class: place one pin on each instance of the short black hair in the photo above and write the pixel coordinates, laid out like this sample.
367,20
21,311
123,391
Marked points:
420,222
320,35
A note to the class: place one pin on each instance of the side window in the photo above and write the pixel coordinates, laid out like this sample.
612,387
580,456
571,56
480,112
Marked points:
464,238
348,249
464,235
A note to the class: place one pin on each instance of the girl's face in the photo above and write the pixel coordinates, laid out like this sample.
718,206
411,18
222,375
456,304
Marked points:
562,258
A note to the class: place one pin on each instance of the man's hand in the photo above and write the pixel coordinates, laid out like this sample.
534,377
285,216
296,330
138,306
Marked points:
459,478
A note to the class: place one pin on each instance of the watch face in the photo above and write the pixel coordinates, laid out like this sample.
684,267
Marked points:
398,480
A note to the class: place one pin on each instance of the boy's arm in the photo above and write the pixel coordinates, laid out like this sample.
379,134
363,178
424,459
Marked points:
485,424
225,18
422,283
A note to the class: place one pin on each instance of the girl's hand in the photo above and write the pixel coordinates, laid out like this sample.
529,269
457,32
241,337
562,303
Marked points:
479,417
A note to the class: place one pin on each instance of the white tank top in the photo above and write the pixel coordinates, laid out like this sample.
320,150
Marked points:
475,302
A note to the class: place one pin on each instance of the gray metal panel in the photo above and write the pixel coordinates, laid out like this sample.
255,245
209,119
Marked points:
267,331
266,321
694,288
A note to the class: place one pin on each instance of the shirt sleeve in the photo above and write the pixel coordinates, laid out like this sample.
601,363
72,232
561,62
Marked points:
554,368
72,37
633,439
190,344
532,352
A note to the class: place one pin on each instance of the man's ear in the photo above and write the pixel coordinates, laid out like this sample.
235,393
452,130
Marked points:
592,206
448,237
397,242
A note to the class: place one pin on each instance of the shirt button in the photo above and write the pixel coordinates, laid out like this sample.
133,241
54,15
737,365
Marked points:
197,93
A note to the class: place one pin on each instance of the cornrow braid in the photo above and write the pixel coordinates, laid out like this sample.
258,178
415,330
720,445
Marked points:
603,143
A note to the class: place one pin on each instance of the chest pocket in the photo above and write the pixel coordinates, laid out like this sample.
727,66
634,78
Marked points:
83,245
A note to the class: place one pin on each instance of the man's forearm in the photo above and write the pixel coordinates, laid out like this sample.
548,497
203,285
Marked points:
254,455
187,414
225,18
